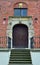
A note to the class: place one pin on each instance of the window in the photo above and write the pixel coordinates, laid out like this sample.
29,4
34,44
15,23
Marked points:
20,12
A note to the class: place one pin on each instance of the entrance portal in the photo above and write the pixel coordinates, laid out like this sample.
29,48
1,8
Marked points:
20,36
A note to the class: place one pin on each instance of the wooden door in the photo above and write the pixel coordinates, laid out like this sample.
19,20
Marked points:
20,36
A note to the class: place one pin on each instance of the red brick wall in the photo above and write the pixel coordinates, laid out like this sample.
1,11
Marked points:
6,10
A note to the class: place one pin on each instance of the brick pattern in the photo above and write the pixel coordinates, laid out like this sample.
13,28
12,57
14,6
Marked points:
7,9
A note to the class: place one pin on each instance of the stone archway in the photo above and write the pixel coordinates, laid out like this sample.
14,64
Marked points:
27,25
20,36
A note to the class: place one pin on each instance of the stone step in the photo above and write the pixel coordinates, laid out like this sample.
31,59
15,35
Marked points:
20,56
28,62
20,53
19,64
20,59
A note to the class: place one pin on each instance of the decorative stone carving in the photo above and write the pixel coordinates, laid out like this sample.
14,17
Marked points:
27,21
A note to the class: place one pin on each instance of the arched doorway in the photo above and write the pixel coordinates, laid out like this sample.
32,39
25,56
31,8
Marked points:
20,36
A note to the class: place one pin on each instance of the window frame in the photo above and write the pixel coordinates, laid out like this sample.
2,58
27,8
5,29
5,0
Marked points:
20,12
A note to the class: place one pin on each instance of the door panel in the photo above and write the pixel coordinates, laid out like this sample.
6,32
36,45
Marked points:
20,36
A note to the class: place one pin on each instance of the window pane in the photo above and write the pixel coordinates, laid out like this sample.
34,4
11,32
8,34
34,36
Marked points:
20,12
16,12
23,12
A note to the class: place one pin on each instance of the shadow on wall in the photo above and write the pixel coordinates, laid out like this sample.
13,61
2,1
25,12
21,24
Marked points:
9,42
32,42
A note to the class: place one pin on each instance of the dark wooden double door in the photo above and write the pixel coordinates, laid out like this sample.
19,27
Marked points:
20,36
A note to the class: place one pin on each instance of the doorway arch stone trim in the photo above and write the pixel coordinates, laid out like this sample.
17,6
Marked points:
23,20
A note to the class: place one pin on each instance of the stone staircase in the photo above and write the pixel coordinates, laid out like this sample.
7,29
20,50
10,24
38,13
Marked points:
20,56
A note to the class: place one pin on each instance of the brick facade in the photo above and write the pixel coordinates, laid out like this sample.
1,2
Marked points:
7,9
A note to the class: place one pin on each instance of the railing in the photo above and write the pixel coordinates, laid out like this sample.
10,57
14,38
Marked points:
35,42
5,42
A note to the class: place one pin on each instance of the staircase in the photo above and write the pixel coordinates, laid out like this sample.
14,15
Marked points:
20,56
